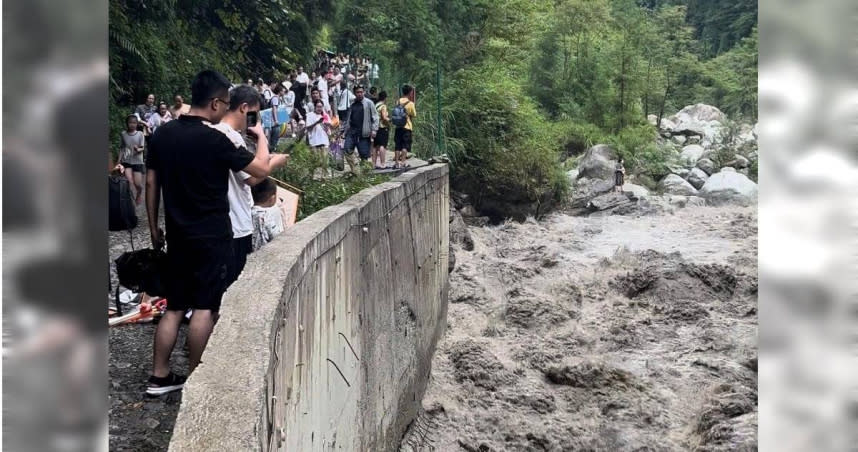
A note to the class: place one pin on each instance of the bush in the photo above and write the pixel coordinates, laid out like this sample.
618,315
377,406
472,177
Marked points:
318,194
509,161
637,145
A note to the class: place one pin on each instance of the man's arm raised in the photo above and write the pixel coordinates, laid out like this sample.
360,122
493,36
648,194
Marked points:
260,165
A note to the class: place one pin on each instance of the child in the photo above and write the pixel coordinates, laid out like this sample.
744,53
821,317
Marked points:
619,176
318,129
267,216
131,155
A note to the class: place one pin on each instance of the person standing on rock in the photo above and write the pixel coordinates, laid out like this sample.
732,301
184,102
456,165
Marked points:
619,176
189,162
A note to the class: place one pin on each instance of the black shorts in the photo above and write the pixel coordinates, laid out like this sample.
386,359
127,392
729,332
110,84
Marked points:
619,178
382,137
241,247
137,168
198,273
342,114
402,139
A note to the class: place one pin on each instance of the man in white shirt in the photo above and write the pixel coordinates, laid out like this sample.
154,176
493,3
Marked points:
302,77
243,99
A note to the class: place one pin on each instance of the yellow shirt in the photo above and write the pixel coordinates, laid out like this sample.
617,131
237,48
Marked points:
410,111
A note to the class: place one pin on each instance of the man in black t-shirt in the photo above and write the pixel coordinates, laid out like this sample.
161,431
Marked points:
189,160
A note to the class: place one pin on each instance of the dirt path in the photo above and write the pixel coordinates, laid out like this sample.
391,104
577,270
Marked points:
136,422
559,338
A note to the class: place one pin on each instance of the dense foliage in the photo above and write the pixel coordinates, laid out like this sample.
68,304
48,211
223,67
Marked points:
525,83
303,171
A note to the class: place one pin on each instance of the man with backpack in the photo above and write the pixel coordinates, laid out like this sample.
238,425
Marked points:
401,117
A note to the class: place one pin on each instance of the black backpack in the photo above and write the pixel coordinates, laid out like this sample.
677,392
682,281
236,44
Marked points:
142,270
120,202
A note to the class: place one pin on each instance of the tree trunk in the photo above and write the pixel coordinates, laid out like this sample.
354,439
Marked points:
664,99
620,110
646,91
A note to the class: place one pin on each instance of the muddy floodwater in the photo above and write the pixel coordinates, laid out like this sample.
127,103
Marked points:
614,333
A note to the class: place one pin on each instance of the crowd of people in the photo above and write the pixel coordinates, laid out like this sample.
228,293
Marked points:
338,108
211,162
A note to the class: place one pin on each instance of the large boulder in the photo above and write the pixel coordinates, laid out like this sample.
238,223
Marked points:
704,121
599,162
608,201
586,189
679,139
666,124
675,185
680,171
728,186
691,154
638,191
697,178
707,165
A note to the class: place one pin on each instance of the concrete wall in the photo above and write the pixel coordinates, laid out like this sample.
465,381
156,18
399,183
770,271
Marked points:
326,340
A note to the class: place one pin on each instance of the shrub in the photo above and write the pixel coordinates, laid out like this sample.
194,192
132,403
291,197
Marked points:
637,145
509,160
318,194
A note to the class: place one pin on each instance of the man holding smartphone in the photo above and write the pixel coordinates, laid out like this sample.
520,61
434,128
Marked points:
243,115
189,161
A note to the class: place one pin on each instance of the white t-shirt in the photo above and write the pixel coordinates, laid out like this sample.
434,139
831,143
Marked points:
323,91
238,191
317,135
289,99
344,99
303,78
240,202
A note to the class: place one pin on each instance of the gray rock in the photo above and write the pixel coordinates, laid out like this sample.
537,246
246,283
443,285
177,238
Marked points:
697,178
675,185
572,175
691,154
469,211
587,189
608,201
728,169
679,139
728,186
459,231
740,162
743,171
599,162
680,171
637,191
678,201
151,423
695,201
707,165
704,121
700,112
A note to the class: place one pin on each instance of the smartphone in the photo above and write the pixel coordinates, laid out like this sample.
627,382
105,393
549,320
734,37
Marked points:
252,118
